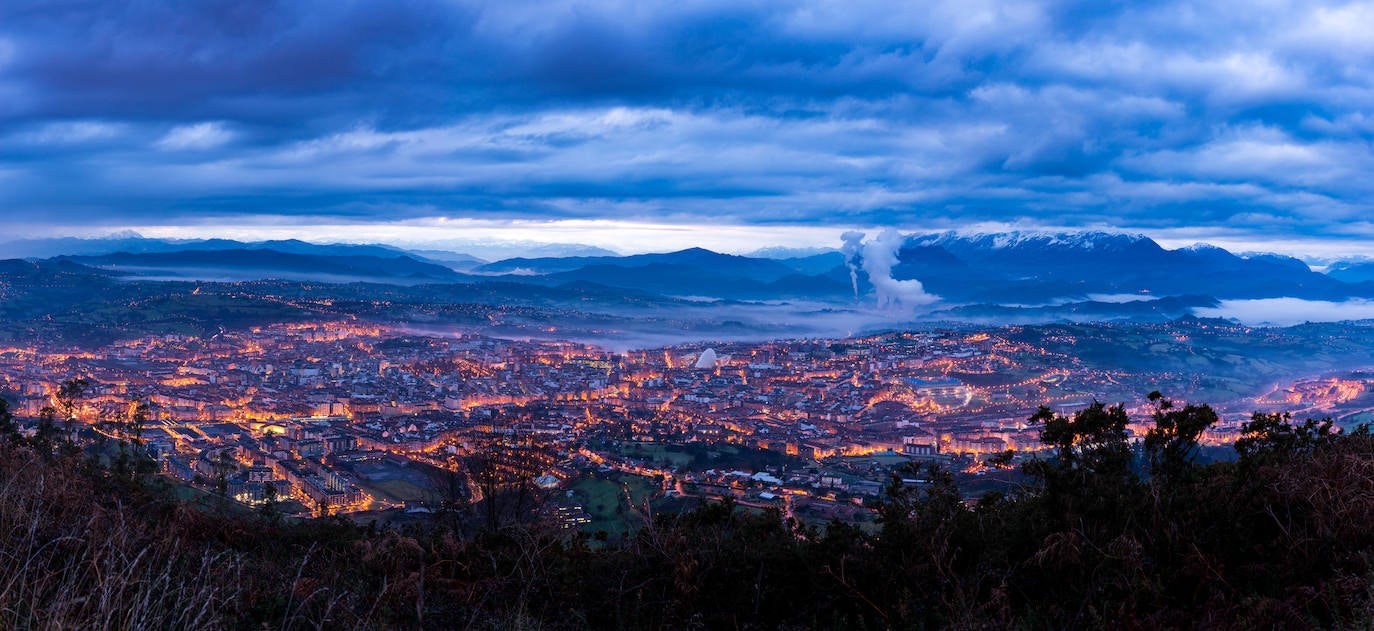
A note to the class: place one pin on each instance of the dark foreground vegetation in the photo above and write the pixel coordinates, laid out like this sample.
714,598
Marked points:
1111,532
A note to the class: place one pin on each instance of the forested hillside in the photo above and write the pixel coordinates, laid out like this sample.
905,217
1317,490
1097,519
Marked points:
1111,531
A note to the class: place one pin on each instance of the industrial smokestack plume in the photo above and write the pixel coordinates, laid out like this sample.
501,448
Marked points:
853,244
879,257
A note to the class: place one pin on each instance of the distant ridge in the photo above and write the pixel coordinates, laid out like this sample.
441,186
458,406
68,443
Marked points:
755,268
1352,272
271,263
134,243
779,252
970,273
459,255
1028,267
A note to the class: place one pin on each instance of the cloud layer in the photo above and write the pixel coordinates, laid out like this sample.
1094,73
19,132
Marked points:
1237,118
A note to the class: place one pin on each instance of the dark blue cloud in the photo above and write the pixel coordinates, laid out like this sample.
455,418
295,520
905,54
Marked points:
1141,115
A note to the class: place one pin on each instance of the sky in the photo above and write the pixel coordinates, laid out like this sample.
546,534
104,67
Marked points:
644,125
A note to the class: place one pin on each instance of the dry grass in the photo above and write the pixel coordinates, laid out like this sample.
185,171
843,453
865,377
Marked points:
68,562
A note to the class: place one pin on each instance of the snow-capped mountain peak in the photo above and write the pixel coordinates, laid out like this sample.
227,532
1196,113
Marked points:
1087,240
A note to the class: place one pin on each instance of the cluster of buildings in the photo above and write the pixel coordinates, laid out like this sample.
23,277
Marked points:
343,416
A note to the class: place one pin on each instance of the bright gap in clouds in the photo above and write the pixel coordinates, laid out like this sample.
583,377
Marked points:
635,237
627,237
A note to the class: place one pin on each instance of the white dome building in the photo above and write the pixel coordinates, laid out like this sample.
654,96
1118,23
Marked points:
707,360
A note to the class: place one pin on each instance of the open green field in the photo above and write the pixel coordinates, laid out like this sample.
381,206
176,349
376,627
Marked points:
998,379
396,491
701,456
658,454
641,489
887,458
390,481
605,499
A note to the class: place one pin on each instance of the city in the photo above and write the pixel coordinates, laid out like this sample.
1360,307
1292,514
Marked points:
361,419
596,314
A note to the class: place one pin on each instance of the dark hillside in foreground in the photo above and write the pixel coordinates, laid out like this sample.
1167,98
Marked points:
1106,535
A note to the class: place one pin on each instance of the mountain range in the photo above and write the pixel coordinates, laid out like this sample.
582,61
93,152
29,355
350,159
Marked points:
1013,276
369,263
1021,268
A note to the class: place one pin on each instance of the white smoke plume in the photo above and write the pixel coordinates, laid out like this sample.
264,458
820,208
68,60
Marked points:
879,257
853,244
